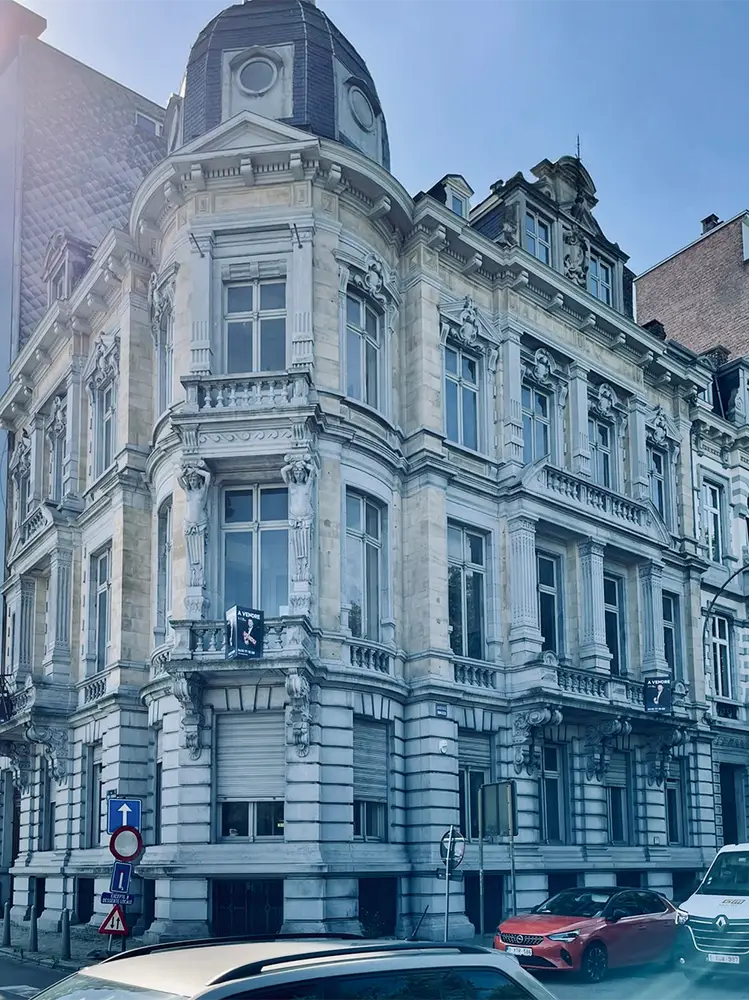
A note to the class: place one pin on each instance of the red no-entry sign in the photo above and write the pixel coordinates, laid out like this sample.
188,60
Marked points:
126,844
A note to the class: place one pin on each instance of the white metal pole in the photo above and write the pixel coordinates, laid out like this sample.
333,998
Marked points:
447,880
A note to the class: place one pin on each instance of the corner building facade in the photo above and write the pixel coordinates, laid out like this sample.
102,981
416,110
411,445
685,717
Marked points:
431,444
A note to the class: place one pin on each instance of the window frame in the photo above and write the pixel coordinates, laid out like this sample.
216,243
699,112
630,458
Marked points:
164,568
364,809
255,316
58,282
661,478
463,385
557,593
560,776
142,116
676,785
672,625
256,528
596,283
599,453
252,821
714,520
533,235
362,538
365,339
624,792
529,414
467,566
105,420
100,589
621,611
718,642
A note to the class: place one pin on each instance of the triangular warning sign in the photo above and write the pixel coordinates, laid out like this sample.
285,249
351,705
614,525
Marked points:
114,922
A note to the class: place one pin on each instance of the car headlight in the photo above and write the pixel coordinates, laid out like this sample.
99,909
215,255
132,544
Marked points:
682,917
564,936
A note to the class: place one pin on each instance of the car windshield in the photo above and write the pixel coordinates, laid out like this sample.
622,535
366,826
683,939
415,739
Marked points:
80,987
728,873
575,903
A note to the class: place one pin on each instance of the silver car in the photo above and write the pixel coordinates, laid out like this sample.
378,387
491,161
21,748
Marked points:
303,969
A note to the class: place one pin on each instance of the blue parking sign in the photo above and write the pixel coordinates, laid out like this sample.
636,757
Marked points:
123,812
122,872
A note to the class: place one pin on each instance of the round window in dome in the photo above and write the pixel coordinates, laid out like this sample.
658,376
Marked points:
257,76
361,108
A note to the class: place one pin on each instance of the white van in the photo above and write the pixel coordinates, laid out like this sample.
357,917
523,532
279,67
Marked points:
714,921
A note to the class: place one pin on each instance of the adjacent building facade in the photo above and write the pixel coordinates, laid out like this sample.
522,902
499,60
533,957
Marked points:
430,443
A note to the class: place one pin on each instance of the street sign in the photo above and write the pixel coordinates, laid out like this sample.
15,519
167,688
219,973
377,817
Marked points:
114,923
126,844
122,872
656,694
123,812
500,809
457,845
246,628
112,898
453,876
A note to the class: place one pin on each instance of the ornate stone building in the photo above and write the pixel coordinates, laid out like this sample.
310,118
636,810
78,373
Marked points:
430,442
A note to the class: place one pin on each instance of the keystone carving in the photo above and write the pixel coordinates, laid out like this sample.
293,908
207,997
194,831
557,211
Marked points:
597,745
527,755
54,744
187,688
372,278
298,690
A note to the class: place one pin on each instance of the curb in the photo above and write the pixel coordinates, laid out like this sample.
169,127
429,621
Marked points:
40,958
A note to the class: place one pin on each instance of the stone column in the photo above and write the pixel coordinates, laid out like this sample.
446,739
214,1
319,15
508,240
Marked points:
594,653
201,305
71,463
300,291
580,445
25,629
57,654
651,594
525,635
512,416
638,449
36,483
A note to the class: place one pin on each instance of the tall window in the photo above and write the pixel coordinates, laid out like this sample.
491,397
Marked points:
617,797
158,786
674,810
255,326
536,424
363,337
94,789
364,555
599,435
552,794
671,627
461,398
48,809
721,649
599,279
466,555
105,431
371,779
166,362
102,592
56,437
164,569
250,760
657,472
256,549
549,601
474,770
712,505
537,237
613,605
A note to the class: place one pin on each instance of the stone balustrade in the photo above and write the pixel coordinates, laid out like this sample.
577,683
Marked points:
469,673
586,494
370,656
207,641
583,682
253,393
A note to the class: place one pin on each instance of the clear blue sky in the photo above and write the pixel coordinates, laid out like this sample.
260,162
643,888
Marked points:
657,90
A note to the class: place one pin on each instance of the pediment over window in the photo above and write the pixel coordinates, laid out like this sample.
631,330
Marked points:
369,274
104,363
465,323
68,252
606,402
661,428
541,368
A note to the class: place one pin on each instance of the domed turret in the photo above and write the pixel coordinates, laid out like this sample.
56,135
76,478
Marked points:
283,59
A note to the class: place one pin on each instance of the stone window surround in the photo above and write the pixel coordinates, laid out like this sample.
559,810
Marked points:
730,616
605,404
485,523
540,368
708,476
465,565
245,269
102,373
661,435
481,395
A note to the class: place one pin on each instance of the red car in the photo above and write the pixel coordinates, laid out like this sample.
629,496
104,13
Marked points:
589,930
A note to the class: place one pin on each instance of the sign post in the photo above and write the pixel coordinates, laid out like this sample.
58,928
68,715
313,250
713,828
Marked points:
510,793
447,879
126,846
497,818
452,851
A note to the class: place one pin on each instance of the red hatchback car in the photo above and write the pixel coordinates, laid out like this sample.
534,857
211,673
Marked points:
589,930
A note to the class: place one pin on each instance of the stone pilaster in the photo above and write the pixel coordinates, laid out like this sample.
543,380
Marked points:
525,635
201,304
580,445
638,449
651,594
36,482
25,629
57,654
71,464
302,344
512,417
594,652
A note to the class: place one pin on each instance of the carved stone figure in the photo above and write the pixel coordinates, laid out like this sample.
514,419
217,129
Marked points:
59,419
195,480
508,233
187,688
527,755
55,746
660,753
576,256
106,364
468,330
298,474
298,690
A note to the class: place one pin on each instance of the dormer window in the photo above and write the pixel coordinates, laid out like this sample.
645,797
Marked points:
599,279
257,75
58,285
147,123
458,205
538,236
65,262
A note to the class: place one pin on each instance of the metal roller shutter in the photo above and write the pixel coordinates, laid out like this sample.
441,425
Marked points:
250,756
371,761
474,751
616,772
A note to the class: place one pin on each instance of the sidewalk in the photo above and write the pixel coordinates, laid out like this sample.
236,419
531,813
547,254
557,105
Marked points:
85,948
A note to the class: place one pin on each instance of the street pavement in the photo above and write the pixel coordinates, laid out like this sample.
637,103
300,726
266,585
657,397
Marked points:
22,980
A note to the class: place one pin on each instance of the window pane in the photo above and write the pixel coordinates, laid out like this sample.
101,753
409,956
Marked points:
551,760
543,231
455,544
238,569
542,439
476,781
669,647
239,298
372,359
103,568
603,435
354,574
605,470
269,819
455,608
541,404
470,419
527,439
462,802
475,549
102,602
610,591
107,443
353,311
274,505
234,819
273,295
451,410
353,512
616,799
239,347
672,814
374,820
552,804
272,345
373,592
451,361
469,370
526,398
612,640
548,620
353,365
358,809
274,571
475,614
372,515
372,326
237,506
546,571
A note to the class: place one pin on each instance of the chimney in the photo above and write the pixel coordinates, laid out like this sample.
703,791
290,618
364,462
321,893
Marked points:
16,21
709,222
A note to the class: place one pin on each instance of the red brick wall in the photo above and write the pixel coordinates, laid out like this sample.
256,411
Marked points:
702,295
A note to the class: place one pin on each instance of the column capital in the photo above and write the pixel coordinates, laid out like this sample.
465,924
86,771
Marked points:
522,522
590,547
577,369
650,570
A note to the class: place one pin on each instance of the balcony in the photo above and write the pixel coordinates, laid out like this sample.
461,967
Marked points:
586,495
475,674
246,394
365,655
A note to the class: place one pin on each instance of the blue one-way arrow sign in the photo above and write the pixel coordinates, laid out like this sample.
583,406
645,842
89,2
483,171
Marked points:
122,872
123,812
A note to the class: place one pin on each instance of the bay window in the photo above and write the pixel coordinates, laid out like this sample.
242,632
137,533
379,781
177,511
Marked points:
363,341
256,546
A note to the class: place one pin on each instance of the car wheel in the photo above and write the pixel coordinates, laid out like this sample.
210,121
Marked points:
595,963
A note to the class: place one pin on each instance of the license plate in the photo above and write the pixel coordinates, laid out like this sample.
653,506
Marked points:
525,952
724,959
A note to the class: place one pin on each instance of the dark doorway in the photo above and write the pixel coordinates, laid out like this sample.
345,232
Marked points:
684,882
493,889
149,901
378,906
631,880
559,881
38,892
16,824
252,907
84,899
731,799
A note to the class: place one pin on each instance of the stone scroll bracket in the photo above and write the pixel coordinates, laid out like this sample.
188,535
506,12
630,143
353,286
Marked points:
660,752
527,752
18,753
187,688
299,715
597,745
54,742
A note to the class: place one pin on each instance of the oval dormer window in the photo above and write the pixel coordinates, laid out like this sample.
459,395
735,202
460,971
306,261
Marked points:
361,108
257,75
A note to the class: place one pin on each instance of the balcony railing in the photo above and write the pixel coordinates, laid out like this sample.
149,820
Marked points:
472,674
207,641
597,687
598,498
370,656
246,393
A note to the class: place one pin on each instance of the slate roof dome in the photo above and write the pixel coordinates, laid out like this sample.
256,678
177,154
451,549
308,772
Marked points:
283,59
